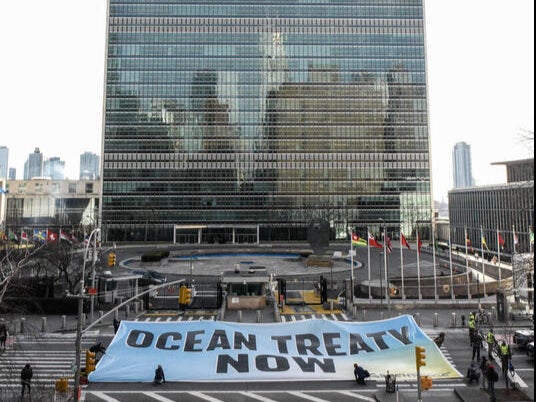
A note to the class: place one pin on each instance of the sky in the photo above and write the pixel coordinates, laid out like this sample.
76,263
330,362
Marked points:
480,59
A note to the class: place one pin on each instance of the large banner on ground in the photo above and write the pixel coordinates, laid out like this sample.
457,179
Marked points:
305,350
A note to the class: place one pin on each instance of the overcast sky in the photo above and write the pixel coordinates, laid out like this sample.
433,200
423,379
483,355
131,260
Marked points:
480,70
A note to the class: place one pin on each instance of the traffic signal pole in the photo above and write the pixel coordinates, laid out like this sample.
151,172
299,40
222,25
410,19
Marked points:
420,360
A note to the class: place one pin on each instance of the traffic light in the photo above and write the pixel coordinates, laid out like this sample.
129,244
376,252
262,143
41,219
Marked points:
426,382
111,260
185,295
420,357
90,361
393,291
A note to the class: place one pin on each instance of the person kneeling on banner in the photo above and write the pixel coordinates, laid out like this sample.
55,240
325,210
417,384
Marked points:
159,377
472,374
360,374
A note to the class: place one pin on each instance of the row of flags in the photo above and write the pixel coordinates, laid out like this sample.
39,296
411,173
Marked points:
372,242
48,236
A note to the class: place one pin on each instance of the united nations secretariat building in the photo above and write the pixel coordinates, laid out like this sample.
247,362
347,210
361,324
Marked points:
245,120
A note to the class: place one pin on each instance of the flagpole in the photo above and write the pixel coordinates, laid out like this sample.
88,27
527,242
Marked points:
482,240
499,255
368,266
418,267
352,267
402,267
450,262
387,298
434,259
467,265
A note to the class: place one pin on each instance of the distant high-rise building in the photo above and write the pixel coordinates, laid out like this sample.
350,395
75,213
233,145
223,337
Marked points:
4,160
54,168
33,167
89,166
463,171
12,174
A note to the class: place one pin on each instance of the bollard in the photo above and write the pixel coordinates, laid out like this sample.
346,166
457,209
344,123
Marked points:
116,315
127,310
43,324
354,311
64,322
83,320
381,315
331,305
101,314
22,325
493,313
436,320
136,307
453,320
239,315
258,316
364,315
417,317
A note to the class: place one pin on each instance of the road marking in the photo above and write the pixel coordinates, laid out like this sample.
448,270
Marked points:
255,396
345,317
283,318
103,396
157,397
357,396
205,397
335,318
308,397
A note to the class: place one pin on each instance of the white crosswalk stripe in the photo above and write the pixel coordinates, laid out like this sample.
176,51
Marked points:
51,357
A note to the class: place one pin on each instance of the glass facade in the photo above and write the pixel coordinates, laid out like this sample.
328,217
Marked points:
256,117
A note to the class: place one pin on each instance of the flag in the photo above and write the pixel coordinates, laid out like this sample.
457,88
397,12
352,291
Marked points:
65,236
51,236
501,240
419,243
389,245
404,241
468,243
516,239
484,244
373,242
39,235
532,238
12,236
358,241
24,236
86,239
73,237
3,191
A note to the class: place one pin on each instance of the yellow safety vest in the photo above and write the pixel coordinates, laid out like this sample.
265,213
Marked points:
472,324
504,350
490,337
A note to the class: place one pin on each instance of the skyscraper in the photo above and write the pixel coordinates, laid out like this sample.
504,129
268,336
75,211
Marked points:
54,168
462,166
4,161
33,167
89,166
245,120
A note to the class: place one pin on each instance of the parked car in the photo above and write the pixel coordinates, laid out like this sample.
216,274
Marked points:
530,349
153,277
522,337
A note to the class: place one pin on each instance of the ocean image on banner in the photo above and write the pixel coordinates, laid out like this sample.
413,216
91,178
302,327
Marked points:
312,350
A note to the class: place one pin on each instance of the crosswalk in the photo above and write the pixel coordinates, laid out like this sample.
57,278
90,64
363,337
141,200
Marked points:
52,356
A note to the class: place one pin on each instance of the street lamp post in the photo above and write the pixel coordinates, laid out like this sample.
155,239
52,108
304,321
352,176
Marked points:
81,298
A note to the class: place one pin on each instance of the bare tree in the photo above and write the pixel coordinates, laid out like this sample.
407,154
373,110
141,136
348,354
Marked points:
526,137
13,261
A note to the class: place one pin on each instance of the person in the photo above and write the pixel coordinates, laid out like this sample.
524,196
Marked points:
116,325
490,340
472,327
472,374
477,345
159,377
483,370
439,339
3,334
360,374
493,377
98,348
26,375
506,356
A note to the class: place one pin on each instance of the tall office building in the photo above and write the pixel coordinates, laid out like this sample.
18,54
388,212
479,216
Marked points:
246,120
462,166
89,166
12,174
54,168
33,167
4,162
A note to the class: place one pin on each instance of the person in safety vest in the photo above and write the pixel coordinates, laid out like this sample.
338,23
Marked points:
472,327
506,356
490,339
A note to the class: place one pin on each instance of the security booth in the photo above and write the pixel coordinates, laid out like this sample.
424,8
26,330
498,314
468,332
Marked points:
246,289
116,288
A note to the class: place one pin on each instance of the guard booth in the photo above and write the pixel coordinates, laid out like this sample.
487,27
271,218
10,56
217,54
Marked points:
114,289
246,288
